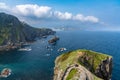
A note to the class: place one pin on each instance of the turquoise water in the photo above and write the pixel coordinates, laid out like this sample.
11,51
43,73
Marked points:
36,65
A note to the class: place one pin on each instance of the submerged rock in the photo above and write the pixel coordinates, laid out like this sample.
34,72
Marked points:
61,49
83,65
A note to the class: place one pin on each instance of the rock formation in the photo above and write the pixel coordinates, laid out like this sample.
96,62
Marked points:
14,32
53,40
83,65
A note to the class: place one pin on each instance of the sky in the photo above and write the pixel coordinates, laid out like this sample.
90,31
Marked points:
77,14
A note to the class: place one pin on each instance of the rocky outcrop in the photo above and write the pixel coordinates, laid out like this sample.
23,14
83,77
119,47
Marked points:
83,65
81,74
53,40
5,73
104,70
14,32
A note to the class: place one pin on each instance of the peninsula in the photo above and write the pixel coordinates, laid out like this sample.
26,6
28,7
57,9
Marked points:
14,33
83,65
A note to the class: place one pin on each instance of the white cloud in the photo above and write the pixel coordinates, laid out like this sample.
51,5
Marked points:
42,12
32,10
64,16
82,18
3,6
91,19
79,17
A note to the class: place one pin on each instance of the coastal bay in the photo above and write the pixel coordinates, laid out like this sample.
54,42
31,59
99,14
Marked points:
35,64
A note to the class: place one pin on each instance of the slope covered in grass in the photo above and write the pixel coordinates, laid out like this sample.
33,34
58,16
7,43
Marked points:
90,60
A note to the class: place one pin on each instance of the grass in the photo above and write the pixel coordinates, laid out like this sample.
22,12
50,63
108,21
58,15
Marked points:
72,57
1,40
66,59
4,34
71,74
95,59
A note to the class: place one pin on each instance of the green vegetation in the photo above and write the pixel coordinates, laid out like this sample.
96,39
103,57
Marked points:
67,59
14,31
72,57
1,40
97,78
4,34
86,58
71,74
92,59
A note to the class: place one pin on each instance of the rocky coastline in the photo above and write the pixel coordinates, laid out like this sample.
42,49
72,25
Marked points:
14,46
83,65
14,33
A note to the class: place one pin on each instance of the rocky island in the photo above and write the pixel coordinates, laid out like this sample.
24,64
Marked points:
83,65
5,73
54,39
14,33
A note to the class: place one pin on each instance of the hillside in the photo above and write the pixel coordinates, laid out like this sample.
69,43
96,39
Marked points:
83,65
13,31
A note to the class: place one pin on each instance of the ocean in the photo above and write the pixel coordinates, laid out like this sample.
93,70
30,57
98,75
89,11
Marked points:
38,64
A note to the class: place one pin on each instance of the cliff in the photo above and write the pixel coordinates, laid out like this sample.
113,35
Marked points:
14,32
83,65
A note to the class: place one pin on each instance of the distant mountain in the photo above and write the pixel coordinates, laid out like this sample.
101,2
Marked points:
13,31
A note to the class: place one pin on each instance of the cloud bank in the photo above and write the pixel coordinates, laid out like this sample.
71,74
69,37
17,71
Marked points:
39,12
32,10
63,16
3,6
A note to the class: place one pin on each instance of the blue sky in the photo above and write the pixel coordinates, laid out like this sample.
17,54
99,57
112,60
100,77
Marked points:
87,14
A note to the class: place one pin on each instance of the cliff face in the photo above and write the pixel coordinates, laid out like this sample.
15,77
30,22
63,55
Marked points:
13,31
83,65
